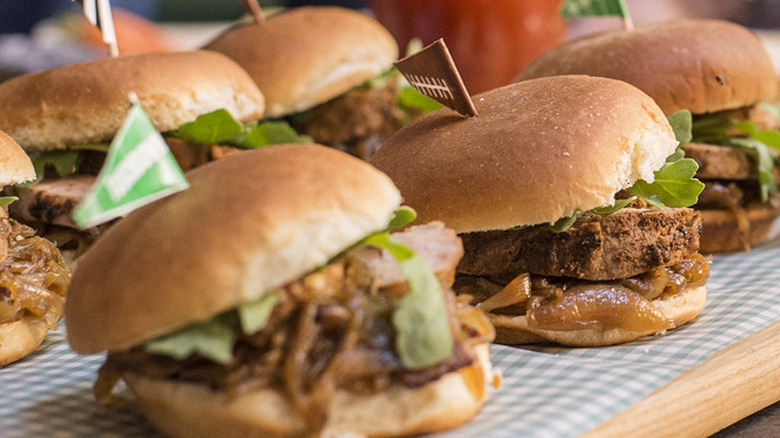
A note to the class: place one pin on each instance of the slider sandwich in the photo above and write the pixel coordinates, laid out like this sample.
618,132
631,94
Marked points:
65,119
328,72
562,190
721,73
272,298
33,276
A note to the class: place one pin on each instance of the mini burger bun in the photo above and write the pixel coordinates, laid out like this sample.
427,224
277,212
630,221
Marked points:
182,409
538,151
20,338
249,223
306,56
678,309
720,228
88,102
700,65
15,165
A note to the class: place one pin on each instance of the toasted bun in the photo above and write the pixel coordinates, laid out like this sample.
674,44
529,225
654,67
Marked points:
720,228
182,409
248,223
679,309
20,338
306,56
538,151
87,102
15,165
699,65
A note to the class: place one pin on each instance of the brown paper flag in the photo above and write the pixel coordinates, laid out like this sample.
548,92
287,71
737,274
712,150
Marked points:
432,72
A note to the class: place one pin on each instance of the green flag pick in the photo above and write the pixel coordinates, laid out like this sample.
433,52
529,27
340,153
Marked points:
138,170
597,8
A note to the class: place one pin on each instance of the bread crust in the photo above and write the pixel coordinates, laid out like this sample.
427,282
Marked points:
678,309
189,410
538,151
88,102
15,166
720,228
306,56
20,338
700,65
247,224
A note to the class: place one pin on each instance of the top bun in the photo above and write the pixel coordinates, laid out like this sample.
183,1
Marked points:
15,165
248,224
87,102
700,65
539,150
306,56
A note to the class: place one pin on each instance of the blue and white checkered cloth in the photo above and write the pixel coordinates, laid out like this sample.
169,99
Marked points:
546,392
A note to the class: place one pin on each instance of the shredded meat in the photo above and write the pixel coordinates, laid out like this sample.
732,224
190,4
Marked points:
33,276
356,122
329,330
620,245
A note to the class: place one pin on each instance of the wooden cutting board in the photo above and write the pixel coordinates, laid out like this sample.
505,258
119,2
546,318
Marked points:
734,383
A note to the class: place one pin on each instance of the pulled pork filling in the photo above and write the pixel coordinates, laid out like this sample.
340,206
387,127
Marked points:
33,276
330,330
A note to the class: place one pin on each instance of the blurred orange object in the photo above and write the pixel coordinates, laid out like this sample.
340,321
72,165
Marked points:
490,40
134,34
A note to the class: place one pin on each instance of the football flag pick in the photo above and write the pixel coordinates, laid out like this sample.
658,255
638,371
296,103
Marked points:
254,8
597,8
432,72
139,169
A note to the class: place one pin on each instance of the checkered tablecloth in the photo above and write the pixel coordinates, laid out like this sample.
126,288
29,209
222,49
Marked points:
546,392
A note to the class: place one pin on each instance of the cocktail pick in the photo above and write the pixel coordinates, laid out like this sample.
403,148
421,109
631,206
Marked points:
98,12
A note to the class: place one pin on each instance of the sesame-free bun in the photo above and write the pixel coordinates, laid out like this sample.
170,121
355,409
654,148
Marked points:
20,338
15,165
700,65
538,150
678,310
720,228
87,102
306,56
181,409
248,223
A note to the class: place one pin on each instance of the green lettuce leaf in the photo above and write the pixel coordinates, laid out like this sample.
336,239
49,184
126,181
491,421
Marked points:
402,216
674,185
212,340
64,164
423,336
682,125
271,133
217,127
769,137
766,164
609,209
565,223
7,200
254,316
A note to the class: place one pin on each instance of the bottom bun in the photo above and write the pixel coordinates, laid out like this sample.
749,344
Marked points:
678,309
20,338
720,230
181,409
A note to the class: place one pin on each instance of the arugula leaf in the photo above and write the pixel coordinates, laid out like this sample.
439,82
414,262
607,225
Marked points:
254,316
64,163
270,133
565,223
711,130
408,97
609,209
682,124
7,200
423,336
212,339
674,185
766,165
402,216
217,127
768,137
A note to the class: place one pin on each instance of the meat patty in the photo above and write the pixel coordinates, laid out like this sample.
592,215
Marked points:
596,248
51,201
721,162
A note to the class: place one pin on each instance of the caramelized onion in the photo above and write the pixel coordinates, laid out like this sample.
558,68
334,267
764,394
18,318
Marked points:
517,291
598,307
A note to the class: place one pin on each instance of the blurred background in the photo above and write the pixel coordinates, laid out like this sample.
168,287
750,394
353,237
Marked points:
491,40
